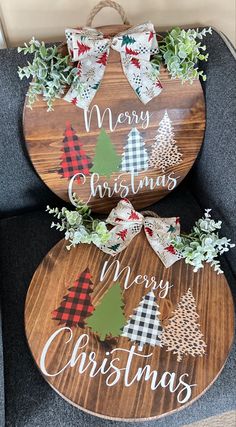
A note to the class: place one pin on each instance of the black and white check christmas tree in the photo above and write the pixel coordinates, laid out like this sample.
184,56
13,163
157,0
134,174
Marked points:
144,326
135,157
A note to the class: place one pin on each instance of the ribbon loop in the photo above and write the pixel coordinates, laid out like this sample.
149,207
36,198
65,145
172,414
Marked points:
128,223
91,49
124,213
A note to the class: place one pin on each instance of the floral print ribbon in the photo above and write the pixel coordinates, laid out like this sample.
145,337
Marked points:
91,49
128,223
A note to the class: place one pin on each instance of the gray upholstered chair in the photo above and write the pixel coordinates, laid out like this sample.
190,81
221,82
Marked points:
25,398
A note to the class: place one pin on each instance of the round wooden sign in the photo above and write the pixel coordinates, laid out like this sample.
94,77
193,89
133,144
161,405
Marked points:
119,147
123,337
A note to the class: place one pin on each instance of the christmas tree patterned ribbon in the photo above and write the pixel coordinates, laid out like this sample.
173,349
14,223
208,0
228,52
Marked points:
128,223
91,49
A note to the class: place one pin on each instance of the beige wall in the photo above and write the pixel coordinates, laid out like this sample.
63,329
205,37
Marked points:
46,19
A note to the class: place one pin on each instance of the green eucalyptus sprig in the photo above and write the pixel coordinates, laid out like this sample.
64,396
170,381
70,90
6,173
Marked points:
180,51
78,225
51,72
203,244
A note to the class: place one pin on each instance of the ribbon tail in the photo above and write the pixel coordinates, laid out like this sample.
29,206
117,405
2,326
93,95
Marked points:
142,77
83,89
82,94
159,233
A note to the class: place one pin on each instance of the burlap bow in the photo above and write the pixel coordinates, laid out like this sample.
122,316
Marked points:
91,49
128,223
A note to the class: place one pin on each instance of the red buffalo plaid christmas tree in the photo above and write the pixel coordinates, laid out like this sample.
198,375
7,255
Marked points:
76,306
74,158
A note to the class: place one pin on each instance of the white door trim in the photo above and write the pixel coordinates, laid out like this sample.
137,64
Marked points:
3,43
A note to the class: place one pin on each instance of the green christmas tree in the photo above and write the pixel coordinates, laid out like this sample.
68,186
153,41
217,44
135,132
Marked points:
126,39
108,318
106,159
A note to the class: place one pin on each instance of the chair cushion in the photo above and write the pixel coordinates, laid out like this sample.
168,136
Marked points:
29,400
214,178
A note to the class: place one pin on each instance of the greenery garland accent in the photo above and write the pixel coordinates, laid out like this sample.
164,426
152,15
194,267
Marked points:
52,73
78,225
180,51
203,244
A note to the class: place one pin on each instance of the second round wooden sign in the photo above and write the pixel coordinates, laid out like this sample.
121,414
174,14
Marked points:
118,147
123,337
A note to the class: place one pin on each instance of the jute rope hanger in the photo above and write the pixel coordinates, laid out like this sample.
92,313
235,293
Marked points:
100,6
113,5
107,3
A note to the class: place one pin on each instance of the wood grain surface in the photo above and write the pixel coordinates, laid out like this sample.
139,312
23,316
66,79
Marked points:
50,283
44,131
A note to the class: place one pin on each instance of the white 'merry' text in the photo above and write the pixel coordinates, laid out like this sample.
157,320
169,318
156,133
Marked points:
148,282
131,118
